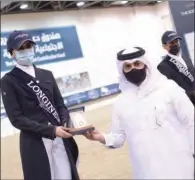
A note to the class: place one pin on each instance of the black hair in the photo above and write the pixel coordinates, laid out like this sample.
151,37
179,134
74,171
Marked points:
11,51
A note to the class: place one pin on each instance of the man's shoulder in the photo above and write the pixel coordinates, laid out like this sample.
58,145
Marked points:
117,101
165,58
174,89
164,62
168,62
123,97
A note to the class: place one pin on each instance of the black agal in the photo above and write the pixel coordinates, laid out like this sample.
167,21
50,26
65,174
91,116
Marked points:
132,55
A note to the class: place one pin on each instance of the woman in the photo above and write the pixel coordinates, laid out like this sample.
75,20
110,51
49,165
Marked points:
34,105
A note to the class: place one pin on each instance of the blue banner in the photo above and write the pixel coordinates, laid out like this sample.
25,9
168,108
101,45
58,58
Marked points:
183,18
52,45
93,94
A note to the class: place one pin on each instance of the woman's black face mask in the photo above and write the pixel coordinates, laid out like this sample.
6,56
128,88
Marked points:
136,76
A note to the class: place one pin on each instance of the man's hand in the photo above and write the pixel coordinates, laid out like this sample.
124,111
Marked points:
95,136
62,132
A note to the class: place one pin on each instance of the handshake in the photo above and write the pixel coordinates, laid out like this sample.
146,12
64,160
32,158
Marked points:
90,134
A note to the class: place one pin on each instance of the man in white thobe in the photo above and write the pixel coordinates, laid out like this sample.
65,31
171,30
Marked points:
156,118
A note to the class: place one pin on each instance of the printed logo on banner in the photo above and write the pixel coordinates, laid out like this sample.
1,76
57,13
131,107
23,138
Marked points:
76,98
113,88
52,45
93,94
104,91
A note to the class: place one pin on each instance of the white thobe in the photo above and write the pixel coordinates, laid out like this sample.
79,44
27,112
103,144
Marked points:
158,125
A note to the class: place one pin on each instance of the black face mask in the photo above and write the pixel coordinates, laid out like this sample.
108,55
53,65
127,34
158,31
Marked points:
175,49
136,76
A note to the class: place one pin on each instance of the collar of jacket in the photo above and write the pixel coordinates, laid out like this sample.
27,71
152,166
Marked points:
178,58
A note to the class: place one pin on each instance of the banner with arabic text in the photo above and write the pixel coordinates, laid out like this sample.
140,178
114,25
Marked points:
52,45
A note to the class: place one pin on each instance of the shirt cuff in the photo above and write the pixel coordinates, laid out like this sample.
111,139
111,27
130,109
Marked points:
109,140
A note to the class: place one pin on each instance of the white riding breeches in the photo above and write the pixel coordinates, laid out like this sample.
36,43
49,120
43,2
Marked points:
58,159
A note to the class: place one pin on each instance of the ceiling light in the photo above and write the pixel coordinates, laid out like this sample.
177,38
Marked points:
124,2
23,6
119,2
80,3
159,1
